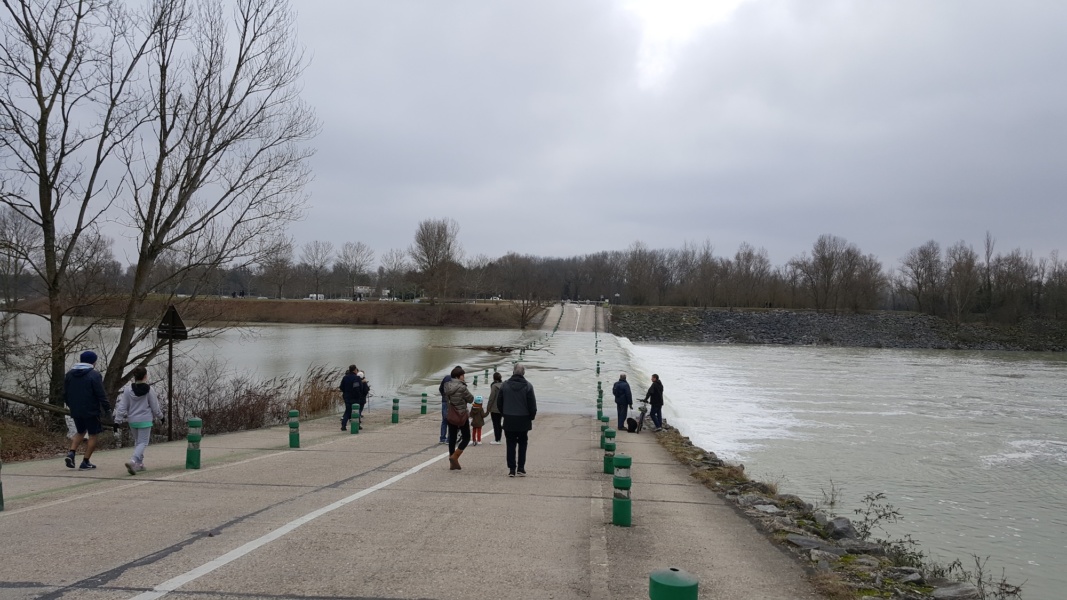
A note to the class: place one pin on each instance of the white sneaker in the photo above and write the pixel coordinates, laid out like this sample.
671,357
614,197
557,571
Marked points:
495,443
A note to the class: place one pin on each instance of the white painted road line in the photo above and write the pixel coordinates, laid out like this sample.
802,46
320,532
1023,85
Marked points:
172,584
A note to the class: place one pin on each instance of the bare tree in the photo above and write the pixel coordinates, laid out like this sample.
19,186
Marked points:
393,271
830,269
752,268
69,101
223,165
19,243
524,284
962,279
315,257
475,274
436,252
922,272
353,261
199,131
276,267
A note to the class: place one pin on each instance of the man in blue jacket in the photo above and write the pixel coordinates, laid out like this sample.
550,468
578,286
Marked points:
83,393
624,399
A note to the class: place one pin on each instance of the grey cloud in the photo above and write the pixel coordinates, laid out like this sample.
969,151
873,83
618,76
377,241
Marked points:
887,123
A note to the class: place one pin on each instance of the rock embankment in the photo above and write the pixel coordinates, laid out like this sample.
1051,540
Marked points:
786,327
826,543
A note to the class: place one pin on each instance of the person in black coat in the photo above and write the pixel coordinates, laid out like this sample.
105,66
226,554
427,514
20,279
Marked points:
655,397
519,406
624,399
83,393
350,386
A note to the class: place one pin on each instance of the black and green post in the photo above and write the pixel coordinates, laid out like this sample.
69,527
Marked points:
396,410
672,584
192,452
294,428
621,512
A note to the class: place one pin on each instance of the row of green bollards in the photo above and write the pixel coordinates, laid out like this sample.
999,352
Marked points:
665,584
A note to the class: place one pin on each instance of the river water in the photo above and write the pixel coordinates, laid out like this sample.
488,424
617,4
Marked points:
970,447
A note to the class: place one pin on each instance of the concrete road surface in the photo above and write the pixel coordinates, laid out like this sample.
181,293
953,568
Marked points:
575,318
376,515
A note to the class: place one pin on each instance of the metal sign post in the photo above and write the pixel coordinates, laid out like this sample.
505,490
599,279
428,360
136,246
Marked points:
171,328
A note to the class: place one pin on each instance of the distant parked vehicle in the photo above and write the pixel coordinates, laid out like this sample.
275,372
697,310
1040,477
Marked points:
316,297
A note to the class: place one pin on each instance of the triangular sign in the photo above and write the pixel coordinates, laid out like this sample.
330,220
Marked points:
172,327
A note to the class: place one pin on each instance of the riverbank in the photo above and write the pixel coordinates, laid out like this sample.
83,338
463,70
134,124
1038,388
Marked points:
484,314
873,330
845,558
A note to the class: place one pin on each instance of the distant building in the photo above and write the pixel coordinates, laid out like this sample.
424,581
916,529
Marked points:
365,292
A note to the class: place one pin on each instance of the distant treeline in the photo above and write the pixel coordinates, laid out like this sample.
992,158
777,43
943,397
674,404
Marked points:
956,282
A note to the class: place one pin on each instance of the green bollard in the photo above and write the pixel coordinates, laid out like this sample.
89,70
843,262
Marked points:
192,453
603,428
621,504
672,584
354,423
294,428
487,374
424,403
476,380
396,410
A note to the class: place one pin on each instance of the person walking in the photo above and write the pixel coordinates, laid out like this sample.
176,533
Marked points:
519,407
494,408
477,420
458,397
362,390
83,393
444,407
654,396
350,383
138,405
624,399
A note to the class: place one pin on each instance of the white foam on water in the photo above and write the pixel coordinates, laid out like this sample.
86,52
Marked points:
1029,451
716,407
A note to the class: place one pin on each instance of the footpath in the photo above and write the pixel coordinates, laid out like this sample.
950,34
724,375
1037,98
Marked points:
376,515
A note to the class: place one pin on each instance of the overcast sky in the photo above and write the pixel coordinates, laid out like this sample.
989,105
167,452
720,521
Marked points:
561,128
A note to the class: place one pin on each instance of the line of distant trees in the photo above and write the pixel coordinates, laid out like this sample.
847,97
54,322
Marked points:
958,282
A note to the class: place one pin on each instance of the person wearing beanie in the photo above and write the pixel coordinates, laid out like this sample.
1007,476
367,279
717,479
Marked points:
477,421
519,407
362,390
83,393
138,405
